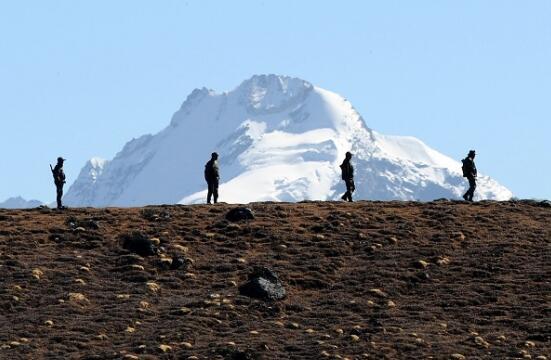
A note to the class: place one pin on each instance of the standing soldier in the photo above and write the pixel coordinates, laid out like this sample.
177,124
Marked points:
59,180
469,171
212,176
347,174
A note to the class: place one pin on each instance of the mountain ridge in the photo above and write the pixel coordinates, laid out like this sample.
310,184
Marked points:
279,139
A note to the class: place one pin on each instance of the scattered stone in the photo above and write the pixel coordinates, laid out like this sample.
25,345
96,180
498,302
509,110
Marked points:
444,260
165,348
355,337
130,330
263,284
155,241
458,235
101,337
339,331
529,344
153,287
293,325
78,298
481,342
137,267
457,356
541,357
37,273
138,243
421,264
84,268
80,229
144,305
80,281
187,345
123,296
184,310
49,323
378,292
182,249
325,353
391,304
239,213
393,240
310,331
131,357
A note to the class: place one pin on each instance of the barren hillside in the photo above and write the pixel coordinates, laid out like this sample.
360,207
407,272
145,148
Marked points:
363,280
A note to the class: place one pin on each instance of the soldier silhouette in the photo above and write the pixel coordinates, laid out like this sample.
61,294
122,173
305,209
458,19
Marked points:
347,174
469,171
59,180
212,176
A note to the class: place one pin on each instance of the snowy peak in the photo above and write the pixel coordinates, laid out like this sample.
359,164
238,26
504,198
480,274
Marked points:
264,94
279,138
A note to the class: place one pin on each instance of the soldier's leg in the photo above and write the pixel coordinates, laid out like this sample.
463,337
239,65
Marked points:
466,195
209,192
215,191
59,191
345,195
472,188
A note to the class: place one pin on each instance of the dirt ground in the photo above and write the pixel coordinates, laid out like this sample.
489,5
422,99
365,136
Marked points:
366,280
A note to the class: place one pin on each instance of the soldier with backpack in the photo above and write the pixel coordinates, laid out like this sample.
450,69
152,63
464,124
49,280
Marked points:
212,176
347,174
59,180
469,171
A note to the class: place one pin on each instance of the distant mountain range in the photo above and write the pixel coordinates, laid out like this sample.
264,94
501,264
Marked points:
279,139
19,203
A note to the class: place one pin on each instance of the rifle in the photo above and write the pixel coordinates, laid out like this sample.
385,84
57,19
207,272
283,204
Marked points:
53,173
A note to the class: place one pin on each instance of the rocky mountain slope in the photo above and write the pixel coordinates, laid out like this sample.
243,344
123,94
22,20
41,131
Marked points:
279,139
367,280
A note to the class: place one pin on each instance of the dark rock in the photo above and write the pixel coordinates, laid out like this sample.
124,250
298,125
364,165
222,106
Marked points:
239,213
545,204
263,284
177,263
138,243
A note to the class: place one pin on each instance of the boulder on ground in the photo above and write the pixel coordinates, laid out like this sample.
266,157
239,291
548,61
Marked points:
239,213
263,284
138,243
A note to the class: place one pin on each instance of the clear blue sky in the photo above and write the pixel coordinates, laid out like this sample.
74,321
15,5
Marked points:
80,78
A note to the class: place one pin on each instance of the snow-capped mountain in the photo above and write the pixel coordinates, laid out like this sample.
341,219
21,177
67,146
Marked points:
279,139
18,202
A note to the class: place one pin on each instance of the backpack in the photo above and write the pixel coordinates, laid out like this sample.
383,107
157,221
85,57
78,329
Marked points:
465,168
343,175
